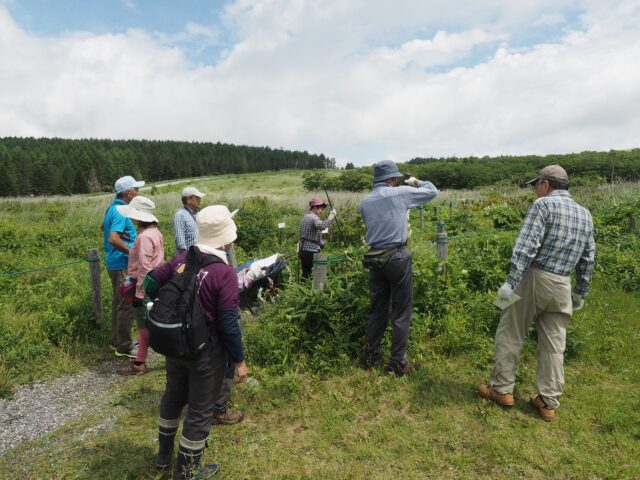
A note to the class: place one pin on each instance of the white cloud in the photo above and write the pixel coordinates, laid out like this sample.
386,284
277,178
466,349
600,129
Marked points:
128,3
348,78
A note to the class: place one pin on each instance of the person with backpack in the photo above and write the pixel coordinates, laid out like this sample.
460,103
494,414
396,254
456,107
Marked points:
119,234
195,378
185,227
146,253
311,227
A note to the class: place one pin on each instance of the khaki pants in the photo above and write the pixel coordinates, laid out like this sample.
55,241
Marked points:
121,314
545,300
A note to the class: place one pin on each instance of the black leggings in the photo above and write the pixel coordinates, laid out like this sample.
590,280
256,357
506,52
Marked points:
306,261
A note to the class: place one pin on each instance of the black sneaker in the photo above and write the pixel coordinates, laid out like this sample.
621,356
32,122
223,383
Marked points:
401,369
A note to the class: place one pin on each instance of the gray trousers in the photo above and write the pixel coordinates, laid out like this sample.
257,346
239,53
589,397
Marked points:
224,397
195,383
391,296
546,301
121,314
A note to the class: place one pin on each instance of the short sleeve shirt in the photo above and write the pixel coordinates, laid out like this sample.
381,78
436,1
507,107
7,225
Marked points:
115,222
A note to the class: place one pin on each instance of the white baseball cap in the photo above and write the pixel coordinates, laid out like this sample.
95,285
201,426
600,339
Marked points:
125,183
192,192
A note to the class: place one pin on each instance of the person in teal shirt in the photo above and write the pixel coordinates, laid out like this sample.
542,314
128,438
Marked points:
119,234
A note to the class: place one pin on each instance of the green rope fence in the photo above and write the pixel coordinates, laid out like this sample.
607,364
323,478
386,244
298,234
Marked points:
49,267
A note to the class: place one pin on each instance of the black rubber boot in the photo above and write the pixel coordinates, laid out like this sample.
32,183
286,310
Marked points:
166,439
188,466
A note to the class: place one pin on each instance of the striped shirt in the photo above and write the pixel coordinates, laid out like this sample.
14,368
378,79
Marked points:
556,236
185,228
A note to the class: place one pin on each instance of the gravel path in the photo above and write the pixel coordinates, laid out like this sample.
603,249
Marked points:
38,409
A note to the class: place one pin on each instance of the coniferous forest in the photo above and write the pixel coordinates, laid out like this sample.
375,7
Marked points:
53,166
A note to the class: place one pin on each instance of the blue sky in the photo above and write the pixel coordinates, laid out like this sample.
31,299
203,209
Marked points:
358,80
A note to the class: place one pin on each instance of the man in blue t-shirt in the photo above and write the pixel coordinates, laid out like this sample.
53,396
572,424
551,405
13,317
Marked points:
119,235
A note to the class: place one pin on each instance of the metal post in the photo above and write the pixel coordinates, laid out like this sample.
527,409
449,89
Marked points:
96,287
442,242
319,271
231,255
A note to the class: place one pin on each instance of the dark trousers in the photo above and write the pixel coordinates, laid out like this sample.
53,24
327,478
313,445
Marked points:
391,296
306,262
195,383
121,314
224,396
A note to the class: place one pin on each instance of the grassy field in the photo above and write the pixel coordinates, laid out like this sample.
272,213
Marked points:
359,424
342,422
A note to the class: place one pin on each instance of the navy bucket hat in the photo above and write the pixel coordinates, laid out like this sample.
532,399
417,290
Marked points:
384,170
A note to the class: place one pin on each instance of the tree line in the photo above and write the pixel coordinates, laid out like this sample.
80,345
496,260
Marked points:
586,168
48,166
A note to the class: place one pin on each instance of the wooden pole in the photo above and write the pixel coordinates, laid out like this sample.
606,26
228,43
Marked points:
231,255
421,218
633,225
96,288
319,271
442,242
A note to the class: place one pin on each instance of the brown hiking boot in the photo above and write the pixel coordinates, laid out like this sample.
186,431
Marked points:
401,369
227,417
133,369
488,393
546,413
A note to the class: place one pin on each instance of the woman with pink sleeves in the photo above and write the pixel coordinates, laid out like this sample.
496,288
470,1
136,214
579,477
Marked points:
146,254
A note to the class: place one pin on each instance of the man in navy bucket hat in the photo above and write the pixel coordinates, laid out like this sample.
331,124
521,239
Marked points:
384,211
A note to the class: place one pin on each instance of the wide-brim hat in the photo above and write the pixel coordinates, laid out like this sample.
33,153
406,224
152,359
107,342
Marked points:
316,202
216,227
385,170
140,208
551,172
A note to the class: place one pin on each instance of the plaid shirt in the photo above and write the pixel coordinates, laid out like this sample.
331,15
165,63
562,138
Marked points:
185,228
557,236
311,228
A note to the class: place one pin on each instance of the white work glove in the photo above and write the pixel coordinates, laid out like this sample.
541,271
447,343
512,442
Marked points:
577,302
413,181
505,291
332,214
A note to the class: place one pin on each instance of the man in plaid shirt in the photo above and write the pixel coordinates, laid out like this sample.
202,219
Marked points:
311,227
555,239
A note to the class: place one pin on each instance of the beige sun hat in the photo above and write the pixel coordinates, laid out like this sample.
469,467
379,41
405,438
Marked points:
216,227
140,208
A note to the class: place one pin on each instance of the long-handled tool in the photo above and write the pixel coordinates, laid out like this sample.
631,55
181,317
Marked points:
337,223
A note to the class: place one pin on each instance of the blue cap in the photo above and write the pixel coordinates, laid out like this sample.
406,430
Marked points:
384,170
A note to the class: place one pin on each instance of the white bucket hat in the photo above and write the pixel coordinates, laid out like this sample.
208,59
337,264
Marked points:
216,227
140,208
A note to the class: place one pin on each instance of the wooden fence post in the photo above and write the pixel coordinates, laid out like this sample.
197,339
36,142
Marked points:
319,271
632,223
442,242
96,288
421,218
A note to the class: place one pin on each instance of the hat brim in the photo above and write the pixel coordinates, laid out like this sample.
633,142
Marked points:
227,236
532,181
135,214
387,176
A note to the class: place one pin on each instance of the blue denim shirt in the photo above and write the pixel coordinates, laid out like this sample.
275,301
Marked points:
384,211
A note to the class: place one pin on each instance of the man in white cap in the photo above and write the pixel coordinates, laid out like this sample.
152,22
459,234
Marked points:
556,238
119,234
184,221
197,382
